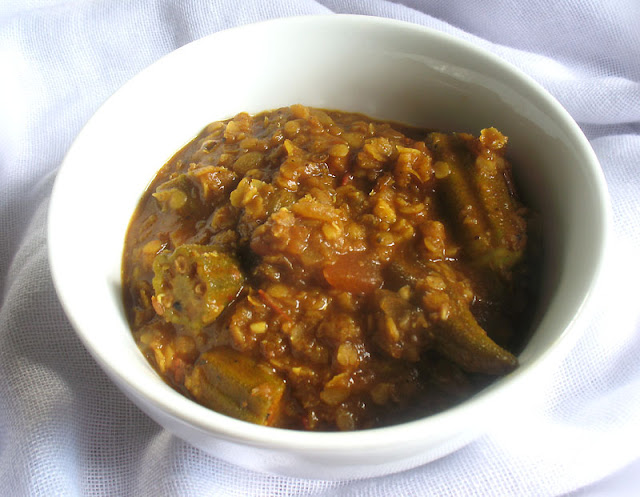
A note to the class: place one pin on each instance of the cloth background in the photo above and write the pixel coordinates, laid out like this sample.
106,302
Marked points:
66,430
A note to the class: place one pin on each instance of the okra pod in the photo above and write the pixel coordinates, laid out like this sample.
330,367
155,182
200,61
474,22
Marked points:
475,183
193,284
237,385
462,340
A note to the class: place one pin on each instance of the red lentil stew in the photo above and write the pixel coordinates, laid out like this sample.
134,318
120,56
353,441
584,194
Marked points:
321,270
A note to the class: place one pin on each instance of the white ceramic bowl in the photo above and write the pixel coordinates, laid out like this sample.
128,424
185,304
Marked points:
382,68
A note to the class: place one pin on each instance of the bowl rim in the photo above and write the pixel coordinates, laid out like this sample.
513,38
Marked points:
225,427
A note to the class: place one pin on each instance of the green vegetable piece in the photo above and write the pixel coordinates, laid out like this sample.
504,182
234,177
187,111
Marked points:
193,284
195,192
238,386
462,340
475,183
453,331
179,194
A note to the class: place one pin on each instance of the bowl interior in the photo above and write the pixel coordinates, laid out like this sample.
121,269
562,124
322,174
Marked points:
382,68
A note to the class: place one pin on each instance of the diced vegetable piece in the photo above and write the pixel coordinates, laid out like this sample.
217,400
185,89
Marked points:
238,386
354,272
178,194
476,190
193,284
191,193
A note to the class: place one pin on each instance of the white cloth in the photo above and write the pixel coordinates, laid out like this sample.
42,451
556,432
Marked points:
66,430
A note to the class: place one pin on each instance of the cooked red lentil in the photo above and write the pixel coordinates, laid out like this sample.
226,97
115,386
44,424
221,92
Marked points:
321,270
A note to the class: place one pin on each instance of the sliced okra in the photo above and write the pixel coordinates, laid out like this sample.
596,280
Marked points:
236,385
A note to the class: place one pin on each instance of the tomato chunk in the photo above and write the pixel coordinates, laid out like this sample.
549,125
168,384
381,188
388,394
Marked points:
354,272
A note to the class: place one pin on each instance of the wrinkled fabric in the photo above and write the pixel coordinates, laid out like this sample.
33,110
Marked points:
65,429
